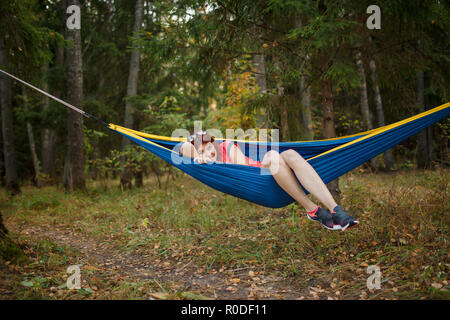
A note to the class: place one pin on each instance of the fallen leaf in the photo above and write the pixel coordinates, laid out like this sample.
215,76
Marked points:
159,295
436,285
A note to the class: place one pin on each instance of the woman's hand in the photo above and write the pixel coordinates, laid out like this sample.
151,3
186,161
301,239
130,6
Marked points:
201,159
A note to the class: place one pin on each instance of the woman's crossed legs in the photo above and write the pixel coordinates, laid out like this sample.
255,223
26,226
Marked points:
283,167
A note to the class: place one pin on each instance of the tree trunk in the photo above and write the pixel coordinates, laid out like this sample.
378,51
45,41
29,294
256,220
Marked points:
424,144
9,250
48,141
329,129
284,115
3,230
423,159
48,134
48,148
139,173
260,67
305,90
422,136
429,130
12,180
126,175
364,100
75,152
258,63
281,103
388,156
34,156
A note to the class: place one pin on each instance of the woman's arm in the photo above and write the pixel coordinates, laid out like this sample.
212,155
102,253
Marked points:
236,155
188,150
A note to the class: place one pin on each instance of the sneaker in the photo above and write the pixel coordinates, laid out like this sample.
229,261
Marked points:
342,220
324,217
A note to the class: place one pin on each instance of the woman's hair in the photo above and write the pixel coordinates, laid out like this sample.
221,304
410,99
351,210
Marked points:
200,137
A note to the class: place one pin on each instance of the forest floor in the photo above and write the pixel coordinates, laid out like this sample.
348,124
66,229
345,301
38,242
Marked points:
187,241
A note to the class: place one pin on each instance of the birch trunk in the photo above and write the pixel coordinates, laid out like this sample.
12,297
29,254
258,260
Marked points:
388,156
364,100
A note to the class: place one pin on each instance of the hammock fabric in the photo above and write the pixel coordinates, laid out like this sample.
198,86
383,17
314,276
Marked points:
330,158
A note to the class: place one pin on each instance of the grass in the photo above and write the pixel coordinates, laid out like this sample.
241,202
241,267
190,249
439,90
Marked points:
404,230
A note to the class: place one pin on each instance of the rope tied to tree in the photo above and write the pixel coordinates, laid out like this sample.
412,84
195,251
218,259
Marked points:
84,113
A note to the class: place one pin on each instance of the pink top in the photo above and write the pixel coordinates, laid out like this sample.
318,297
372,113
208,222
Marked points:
224,146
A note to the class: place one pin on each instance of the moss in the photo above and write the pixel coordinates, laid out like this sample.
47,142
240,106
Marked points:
10,251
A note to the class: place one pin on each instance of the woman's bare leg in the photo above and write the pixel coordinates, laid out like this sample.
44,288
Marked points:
285,178
309,178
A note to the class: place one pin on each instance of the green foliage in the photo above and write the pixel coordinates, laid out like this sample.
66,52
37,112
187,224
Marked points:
347,124
91,140
196,63
106,167
25,37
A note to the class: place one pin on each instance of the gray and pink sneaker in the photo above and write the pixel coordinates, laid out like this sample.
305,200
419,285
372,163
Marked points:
322,216
342,220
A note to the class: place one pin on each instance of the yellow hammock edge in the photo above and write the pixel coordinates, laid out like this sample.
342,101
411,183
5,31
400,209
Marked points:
386,128
367,134
180,139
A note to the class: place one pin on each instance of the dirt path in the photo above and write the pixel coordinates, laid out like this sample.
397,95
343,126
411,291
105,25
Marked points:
243,283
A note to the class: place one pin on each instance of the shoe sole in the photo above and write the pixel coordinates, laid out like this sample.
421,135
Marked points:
348,226
323,224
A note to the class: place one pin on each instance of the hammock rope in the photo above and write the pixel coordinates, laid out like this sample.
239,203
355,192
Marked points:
330,158
84,113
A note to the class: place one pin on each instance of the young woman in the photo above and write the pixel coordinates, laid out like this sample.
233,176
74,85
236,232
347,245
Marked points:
284,167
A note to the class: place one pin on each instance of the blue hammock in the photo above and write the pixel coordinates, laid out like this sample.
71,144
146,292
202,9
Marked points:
330,158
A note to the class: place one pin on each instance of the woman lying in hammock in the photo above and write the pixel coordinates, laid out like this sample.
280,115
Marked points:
202,147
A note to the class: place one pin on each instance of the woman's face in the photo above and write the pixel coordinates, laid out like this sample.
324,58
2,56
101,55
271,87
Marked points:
207,150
